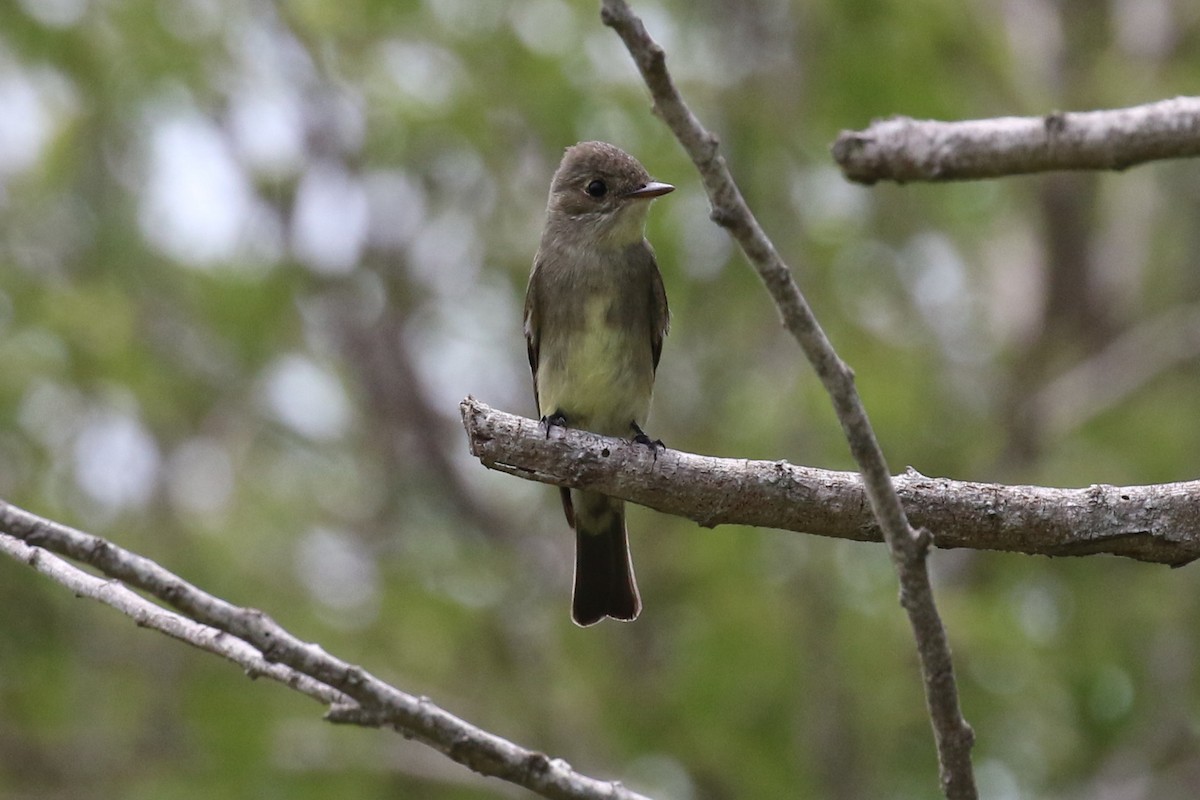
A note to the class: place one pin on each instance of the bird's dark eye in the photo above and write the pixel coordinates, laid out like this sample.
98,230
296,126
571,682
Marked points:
597,188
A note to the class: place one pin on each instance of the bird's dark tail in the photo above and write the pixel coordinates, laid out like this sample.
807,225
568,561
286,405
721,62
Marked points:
604,582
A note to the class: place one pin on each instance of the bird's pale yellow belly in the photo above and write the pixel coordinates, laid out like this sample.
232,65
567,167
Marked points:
599,376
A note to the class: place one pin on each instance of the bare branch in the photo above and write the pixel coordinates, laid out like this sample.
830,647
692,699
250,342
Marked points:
952,734
902,149
1159,524
149,615
378,703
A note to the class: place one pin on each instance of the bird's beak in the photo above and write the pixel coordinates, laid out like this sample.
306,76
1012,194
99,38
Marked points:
650,190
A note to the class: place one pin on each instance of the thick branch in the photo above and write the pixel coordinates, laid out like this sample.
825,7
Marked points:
1149,523
908,549
378,704
902,149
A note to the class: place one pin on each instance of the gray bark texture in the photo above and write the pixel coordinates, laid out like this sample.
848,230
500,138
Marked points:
1158,523
904,150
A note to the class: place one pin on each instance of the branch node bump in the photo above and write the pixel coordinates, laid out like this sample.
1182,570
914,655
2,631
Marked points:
923,538
722,216
537,764
1055,122
713,142
656,57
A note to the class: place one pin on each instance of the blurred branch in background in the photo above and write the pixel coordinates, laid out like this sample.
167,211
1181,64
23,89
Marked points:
410,429
1146,523
1076,313
902,149
1097,384
909,548
264,648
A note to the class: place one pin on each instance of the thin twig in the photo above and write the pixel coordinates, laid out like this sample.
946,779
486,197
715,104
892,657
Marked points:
116,595
902,149
378,704
1158,524
952,734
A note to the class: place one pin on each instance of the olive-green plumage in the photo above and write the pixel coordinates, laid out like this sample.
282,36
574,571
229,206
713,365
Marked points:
595,318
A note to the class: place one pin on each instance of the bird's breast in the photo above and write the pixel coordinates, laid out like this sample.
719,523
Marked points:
597,368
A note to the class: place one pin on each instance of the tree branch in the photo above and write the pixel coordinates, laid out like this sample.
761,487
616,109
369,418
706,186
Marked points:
1159,524
150,615
903,149
354,694
952,734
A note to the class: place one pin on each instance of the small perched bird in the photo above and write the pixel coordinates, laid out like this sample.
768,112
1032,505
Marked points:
595,318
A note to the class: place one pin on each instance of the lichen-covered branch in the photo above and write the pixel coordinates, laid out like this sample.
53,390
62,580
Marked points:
902,149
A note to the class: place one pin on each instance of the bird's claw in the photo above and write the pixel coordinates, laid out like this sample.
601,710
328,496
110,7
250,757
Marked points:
555,420
641,438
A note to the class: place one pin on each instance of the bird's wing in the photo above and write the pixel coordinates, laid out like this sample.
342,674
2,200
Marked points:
533,325
660,314
532,346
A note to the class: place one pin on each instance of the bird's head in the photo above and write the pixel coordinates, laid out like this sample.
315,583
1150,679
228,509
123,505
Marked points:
603,193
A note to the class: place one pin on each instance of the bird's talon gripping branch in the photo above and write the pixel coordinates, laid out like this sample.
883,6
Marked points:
555,420
640,437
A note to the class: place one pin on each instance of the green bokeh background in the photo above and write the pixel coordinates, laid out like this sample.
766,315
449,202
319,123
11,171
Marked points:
253,254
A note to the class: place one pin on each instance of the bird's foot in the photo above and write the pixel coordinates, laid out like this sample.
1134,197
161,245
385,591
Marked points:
555,420
640,437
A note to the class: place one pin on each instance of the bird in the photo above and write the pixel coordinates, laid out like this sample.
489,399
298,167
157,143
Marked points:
595,318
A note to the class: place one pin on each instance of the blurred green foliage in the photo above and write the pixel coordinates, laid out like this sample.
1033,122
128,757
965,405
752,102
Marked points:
252,255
